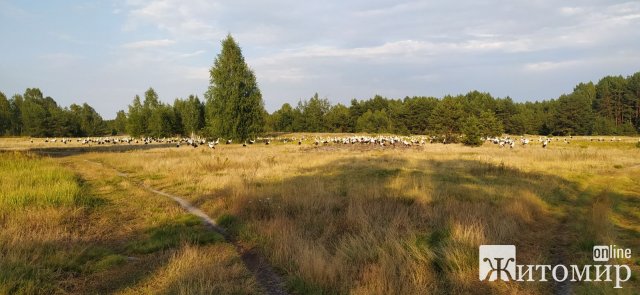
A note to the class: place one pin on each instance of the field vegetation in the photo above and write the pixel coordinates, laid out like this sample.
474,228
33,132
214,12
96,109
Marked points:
332,219
74,227
358,219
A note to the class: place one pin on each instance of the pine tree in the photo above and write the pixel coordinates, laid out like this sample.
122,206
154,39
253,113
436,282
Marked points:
489,125
135,120
445,118
374,122
120,123
471,130
234,103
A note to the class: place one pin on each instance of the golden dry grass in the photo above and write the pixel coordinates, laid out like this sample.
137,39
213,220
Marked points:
367,220
346,219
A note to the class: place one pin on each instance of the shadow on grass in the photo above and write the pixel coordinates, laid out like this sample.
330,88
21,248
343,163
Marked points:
352,210
104,265
57,152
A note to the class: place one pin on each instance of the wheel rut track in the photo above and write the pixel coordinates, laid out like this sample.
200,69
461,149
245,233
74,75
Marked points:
269,281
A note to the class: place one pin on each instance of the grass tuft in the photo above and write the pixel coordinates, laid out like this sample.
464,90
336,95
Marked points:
187,228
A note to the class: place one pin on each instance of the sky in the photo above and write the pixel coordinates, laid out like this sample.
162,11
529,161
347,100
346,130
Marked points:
105,52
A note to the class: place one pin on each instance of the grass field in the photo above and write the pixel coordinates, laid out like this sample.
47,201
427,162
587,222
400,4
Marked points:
332,219
69,227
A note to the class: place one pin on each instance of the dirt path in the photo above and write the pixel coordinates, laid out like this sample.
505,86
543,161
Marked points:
270,282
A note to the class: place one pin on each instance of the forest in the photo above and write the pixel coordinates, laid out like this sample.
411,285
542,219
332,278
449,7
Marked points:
609,107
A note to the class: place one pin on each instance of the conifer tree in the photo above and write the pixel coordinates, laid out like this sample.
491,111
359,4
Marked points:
234,103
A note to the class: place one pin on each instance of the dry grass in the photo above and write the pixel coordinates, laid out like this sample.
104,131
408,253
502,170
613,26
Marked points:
377,221
214,269
70,226
366,220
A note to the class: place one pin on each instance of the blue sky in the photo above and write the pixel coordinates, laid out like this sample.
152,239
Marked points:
105,52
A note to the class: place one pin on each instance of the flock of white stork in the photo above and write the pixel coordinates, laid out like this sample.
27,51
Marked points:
380,140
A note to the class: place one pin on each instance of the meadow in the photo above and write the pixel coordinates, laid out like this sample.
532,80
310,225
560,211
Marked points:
331,219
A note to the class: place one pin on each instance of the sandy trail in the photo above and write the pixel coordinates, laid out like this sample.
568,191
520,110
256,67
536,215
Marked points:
270,281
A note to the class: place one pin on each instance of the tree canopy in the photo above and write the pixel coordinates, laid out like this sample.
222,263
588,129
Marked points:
234,103
233,108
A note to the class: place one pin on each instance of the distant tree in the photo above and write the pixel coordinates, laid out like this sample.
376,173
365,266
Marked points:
505,110
418,111
189,115
136,119
15,104
472,132
62,122
34,114
120,122
337,119
398,115
604,126
234,103
610,99
574,115
283,118
627,129
298,123
150,105
446,117
151,99
313,113
374,122
489,125
161,121
5,115
91,123
633,83
476,102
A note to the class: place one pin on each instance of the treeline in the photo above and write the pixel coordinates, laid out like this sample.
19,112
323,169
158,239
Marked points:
609,107
32,114
151,117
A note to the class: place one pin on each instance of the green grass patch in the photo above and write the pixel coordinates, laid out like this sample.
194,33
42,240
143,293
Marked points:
20,278
230,223
297,285
186,228
30,181
108,262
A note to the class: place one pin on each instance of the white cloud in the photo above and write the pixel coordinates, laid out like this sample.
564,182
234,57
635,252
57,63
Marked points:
191,54
347,49
148,44
571,11
550,65
184,19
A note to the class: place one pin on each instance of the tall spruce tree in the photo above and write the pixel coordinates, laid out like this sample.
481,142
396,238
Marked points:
234,103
